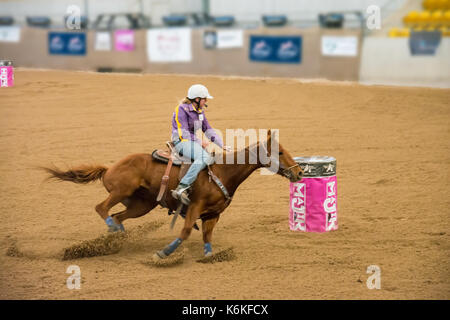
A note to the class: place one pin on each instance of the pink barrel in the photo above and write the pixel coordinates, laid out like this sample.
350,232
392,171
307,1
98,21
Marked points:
6,74
313,200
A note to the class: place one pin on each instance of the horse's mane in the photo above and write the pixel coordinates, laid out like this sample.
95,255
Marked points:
247,151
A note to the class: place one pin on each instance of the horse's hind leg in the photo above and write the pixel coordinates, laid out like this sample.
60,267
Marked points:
136,207
103,208
207,229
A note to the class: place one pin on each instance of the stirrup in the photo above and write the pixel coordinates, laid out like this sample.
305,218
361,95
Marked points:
181,195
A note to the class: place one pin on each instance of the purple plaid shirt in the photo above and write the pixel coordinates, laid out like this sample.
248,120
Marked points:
186,120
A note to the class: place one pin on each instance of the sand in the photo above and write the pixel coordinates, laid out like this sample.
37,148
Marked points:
392,146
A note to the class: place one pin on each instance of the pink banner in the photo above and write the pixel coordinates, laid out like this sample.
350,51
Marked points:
124,40
313,205
6,76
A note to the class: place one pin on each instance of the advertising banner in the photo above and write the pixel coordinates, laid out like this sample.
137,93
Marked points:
275,49
9,34
340,46
230,39
124,40
169,45
67,43
102,41
424,42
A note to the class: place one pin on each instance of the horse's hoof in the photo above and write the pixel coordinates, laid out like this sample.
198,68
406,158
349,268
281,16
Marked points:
159,255
156,258
115,228
208,254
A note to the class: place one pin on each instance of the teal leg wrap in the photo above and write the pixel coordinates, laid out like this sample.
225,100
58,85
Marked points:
207,248
112,226
172,247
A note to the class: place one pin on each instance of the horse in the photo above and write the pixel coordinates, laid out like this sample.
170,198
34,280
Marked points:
135,182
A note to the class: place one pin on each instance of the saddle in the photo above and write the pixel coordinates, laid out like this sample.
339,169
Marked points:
172,157
164,157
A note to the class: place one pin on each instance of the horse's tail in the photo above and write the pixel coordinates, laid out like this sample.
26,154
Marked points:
82,174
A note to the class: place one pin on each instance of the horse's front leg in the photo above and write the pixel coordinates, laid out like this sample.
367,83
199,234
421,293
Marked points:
207,229
193,213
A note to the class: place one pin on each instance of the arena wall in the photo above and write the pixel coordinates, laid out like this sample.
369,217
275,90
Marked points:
388,61
32,51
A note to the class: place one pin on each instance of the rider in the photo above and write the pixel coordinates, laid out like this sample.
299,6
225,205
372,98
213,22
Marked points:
187,118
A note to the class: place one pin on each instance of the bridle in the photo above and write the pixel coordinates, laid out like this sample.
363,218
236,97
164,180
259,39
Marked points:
287,172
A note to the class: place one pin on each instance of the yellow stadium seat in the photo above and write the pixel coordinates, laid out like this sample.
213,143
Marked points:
393,33
445,31
411,19
398,32
437,18
442,4
430,4
403,32
424,18
446,20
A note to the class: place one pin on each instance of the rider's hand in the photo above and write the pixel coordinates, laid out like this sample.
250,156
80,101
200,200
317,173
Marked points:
226,148
205,144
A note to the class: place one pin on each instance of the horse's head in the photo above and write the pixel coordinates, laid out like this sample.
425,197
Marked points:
283,161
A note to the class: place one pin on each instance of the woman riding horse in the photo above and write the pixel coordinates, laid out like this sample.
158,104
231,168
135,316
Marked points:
135,180
187,118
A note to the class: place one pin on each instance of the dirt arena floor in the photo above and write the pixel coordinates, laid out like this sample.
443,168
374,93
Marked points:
392,147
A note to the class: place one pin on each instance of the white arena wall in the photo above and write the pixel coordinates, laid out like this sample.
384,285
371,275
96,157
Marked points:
388,61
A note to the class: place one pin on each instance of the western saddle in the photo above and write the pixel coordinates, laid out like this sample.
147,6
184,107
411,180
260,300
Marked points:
172,157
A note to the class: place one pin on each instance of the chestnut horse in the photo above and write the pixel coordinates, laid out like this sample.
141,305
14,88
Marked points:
135,182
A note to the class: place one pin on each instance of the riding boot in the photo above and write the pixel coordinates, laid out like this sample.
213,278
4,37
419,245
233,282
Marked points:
181,194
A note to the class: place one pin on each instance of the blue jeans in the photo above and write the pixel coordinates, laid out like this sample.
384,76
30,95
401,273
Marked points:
201,157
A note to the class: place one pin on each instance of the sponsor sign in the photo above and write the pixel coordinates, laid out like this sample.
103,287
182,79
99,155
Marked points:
67,43
124,40
102,41
169,45
230,39
340,46
275,49
9,34
424,42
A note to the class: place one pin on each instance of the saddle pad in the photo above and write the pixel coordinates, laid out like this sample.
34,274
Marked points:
163,156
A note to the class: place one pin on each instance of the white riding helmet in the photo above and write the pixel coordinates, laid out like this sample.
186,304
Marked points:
198,91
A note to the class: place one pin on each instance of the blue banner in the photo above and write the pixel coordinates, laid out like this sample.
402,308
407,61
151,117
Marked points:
67,43
276,49
424,42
